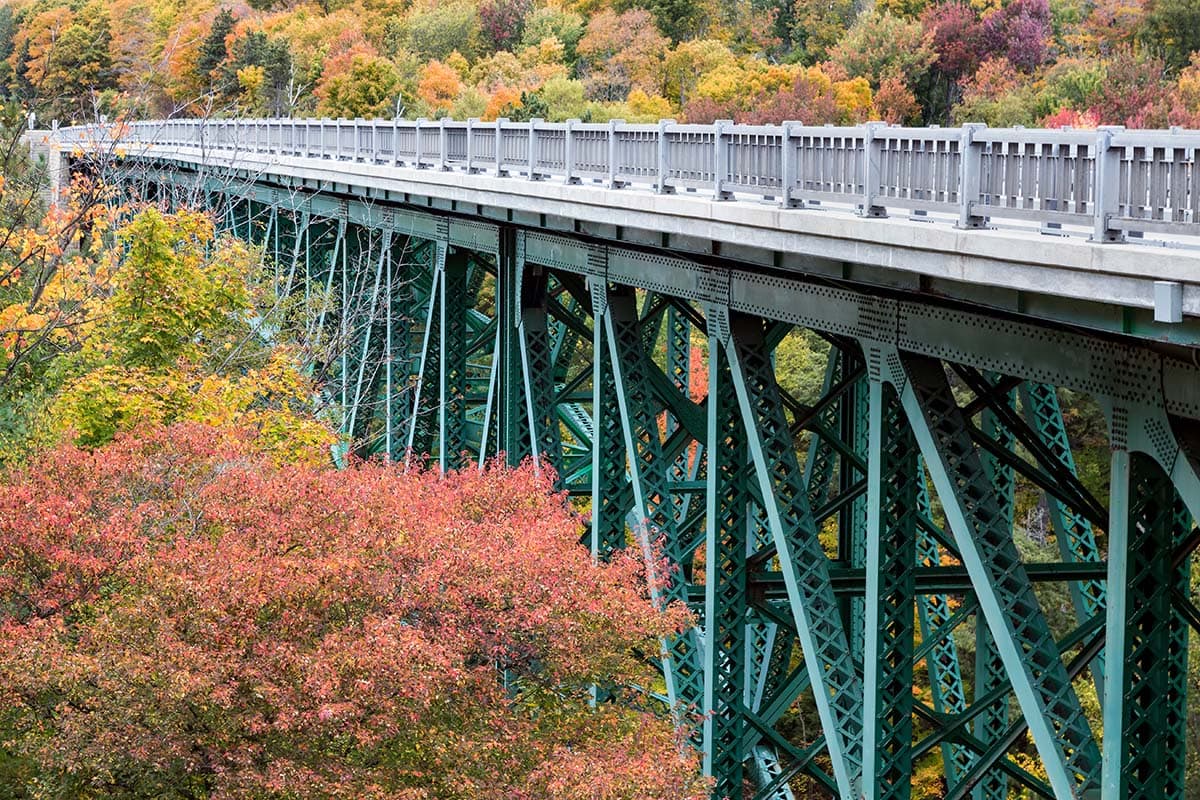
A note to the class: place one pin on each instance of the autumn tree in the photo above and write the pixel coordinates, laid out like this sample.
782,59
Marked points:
1172,28
213,50
622,52
502,22
1019,31
818,25
359,84
435,30
183,618
551,22
439,88
159,329
880,45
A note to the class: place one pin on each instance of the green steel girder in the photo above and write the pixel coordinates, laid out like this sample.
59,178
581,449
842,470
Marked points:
989,667
937,622
537,365
612,493
892,509
423,419
1146,732
1076,540
726,583
455,299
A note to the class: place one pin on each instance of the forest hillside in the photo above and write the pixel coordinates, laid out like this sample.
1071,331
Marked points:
1003,62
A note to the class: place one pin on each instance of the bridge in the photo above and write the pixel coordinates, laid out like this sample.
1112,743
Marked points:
616,301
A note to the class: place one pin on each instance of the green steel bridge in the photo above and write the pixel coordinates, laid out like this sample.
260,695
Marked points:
610,300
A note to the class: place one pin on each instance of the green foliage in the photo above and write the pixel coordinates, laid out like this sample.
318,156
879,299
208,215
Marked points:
1172,29
552,22
212,50
818,25
880,45
437,30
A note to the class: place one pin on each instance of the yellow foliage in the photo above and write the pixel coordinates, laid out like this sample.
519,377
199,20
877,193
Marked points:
747,77
458,62
548,51
648,107
854,99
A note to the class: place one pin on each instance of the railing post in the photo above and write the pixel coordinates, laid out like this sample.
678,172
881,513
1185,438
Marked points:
569,151
337,139
533,123
471,145
419,142
613,182
970,176
720,159
395,141
872,155
664,163
1106,186
443,150
500,171
789,170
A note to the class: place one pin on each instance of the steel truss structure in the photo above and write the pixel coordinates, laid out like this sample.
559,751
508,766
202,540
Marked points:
836,550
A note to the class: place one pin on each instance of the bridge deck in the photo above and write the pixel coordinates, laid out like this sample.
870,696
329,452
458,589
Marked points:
1038,231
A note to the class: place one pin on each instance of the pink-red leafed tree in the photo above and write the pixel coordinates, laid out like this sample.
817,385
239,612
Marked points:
181,618
1020,31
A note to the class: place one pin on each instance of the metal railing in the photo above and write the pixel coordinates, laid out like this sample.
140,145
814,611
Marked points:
1112,181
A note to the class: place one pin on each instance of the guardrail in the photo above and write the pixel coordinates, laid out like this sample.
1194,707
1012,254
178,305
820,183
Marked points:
1113,181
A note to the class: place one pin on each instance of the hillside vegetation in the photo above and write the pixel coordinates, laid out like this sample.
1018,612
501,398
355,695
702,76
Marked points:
1003,62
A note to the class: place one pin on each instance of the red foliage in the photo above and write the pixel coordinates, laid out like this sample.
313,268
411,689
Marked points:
957,34
176,613
503,20
1134,93
894,103
1019,31
1069,118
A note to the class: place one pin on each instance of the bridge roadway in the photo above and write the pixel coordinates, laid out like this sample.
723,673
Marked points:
626,304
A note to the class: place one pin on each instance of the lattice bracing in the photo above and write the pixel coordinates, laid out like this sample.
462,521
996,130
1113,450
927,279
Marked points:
802,560
1027,647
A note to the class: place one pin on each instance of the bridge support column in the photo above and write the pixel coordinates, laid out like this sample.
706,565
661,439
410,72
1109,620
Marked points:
1145,733
726,584
891,554
537,372
611,490
653,507
453,385
512,413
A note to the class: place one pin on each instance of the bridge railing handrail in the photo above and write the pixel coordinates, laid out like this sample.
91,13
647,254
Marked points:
1113,180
